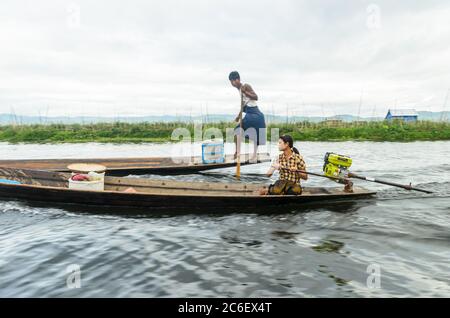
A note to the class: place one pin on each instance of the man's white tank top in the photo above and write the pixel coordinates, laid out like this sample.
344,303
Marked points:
247,101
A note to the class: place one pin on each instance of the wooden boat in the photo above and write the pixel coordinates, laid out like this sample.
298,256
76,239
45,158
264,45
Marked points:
46,186
137,166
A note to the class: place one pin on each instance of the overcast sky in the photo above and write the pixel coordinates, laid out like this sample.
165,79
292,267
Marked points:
133,58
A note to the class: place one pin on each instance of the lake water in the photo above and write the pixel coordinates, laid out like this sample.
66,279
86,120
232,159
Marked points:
397,244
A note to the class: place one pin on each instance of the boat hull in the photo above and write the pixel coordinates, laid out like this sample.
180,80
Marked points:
52,187
134,166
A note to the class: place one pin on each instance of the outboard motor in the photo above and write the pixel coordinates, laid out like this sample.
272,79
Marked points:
336,165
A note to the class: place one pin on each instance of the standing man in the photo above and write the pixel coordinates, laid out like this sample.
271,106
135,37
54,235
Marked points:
253,123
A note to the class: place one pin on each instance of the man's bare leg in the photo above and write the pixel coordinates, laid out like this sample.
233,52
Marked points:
254,158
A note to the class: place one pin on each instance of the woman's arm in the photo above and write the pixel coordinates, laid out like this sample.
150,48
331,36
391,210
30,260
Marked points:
302,166
274,167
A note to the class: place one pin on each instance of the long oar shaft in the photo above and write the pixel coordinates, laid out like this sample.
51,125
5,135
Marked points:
355,176
350,175
238,142
406,187
313,174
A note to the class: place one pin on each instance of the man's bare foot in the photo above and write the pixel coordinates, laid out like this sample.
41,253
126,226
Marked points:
254,159
263,191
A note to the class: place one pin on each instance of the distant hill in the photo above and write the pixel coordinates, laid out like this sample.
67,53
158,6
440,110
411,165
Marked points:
6,119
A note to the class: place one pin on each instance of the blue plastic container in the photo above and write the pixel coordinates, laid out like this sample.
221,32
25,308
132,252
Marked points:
213,152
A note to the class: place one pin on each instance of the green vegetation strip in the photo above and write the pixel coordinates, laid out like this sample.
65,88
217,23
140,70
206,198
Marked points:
162,132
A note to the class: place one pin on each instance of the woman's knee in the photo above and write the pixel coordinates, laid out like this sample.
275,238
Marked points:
294,189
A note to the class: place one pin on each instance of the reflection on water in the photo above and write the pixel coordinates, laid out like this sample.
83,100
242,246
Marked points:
318,250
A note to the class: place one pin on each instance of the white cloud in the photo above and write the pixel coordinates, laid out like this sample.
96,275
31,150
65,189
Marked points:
167,57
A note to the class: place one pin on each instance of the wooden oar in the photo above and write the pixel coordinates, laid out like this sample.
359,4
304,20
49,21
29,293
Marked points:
406,187
263,175
238,143
350,175
314,174
353,175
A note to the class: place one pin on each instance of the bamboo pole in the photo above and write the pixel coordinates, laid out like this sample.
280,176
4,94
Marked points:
239,140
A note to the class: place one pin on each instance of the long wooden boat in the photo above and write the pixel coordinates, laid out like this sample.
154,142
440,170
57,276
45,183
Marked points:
47,187
137,166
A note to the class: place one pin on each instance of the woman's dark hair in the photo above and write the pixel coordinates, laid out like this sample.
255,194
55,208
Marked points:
287,139
234,76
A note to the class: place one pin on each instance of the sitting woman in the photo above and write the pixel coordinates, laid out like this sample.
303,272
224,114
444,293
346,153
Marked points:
292,169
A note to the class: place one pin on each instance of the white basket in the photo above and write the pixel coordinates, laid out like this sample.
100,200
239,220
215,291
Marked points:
97,185
87,185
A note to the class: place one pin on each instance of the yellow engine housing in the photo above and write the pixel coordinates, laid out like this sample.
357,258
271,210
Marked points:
336,165
338,160
331,170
